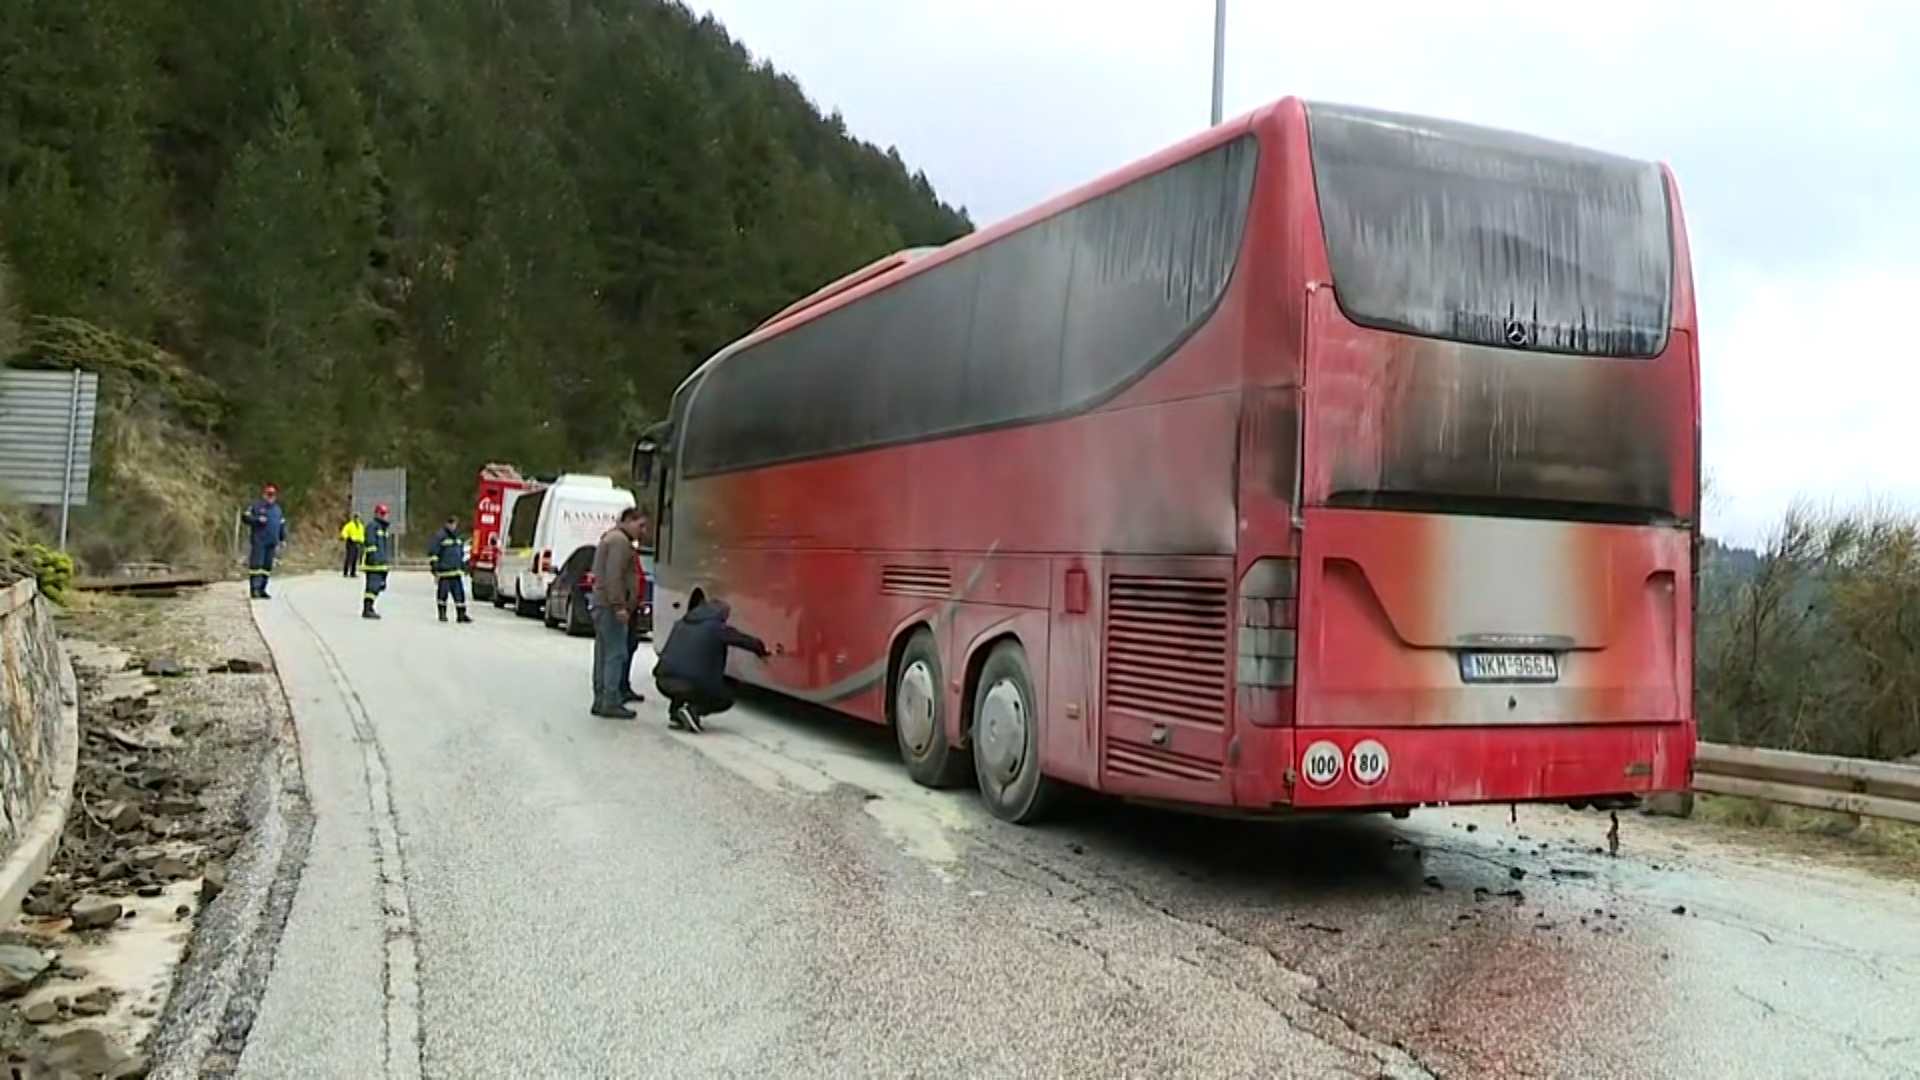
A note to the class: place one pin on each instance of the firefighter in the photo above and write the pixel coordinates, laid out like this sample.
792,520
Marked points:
354,535
376,558
266,531
449,554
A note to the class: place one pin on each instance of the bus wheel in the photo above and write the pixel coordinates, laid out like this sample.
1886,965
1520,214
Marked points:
919,717
1006,739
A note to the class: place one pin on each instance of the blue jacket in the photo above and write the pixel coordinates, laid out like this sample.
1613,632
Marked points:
266,522
448,552
696,650
378,554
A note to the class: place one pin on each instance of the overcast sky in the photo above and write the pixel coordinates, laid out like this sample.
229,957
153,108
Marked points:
1794,129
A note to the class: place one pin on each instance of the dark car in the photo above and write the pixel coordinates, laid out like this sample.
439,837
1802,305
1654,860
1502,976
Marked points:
567,606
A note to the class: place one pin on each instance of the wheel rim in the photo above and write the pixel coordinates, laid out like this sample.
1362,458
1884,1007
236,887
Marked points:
913,709
1003,733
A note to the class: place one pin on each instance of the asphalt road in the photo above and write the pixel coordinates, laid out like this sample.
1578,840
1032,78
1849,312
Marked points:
501,885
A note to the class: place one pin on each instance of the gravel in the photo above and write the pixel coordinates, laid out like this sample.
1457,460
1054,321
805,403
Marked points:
179,710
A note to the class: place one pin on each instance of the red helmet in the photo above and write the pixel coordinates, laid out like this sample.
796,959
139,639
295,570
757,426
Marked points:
379,510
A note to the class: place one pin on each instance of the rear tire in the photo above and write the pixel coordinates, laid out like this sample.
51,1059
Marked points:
527,609
917,708
1005,734
577,624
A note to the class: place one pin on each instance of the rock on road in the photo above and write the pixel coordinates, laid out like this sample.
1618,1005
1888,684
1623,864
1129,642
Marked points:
500,885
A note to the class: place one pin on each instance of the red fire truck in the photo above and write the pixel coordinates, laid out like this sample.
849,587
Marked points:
1332,459
497,481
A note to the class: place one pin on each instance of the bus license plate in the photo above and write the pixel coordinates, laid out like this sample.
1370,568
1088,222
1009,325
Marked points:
1509,667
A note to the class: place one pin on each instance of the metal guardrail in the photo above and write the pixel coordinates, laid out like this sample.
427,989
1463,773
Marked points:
1877,789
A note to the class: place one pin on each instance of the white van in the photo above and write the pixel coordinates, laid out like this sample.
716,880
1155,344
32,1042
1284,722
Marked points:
547,525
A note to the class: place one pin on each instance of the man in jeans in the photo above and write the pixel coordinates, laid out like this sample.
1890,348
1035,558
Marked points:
616,597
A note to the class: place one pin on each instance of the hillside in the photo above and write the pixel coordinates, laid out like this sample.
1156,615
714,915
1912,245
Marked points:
419,232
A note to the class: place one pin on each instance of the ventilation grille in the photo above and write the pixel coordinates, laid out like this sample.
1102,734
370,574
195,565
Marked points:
1128,758
931,582
1167,649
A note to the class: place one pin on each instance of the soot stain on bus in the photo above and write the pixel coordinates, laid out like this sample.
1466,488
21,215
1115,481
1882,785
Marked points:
1505,428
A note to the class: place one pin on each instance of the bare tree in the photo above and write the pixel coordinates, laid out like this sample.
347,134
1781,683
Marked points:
1818,647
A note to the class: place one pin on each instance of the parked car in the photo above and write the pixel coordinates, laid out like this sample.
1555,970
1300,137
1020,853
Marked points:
567,592
567,606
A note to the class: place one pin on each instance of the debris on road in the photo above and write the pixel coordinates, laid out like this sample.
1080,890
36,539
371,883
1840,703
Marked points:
166,741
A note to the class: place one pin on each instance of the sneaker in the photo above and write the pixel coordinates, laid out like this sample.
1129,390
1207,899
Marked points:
693,719
677,718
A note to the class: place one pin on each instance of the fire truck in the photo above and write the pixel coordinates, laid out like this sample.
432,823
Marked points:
498,482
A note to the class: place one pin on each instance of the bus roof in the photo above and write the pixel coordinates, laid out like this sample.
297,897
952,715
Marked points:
837,295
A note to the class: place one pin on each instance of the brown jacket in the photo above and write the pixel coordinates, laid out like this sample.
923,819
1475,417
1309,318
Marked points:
616,573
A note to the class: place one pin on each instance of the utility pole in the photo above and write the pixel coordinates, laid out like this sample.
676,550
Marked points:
1219,60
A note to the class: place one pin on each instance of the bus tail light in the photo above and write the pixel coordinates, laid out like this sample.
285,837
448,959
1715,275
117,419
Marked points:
1267,641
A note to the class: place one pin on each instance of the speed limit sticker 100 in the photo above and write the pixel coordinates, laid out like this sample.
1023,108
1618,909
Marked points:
1322,764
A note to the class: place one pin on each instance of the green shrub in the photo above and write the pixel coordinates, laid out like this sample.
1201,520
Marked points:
51,567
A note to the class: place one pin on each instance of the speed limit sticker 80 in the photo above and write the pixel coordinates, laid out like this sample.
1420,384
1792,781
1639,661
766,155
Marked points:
1322,764
1368,762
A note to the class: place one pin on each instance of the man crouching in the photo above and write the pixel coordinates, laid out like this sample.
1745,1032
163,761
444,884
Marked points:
692,670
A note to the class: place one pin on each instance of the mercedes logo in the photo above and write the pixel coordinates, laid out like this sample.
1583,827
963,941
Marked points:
1516,333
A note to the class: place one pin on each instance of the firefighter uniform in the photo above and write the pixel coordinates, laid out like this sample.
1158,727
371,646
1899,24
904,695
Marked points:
354,535
266,531
449,554
376,558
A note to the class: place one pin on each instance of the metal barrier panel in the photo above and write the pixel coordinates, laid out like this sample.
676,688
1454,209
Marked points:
46,438
374,486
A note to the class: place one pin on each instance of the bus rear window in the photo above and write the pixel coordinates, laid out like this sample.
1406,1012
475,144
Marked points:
1486,237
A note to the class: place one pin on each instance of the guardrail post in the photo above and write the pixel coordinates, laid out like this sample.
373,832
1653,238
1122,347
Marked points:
1677,804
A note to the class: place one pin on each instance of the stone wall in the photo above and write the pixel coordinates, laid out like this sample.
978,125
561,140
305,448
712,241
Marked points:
39,738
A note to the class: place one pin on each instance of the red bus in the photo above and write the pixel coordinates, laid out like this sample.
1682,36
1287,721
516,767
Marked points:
1334,459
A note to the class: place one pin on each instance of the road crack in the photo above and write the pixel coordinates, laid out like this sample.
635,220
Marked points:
405,1038
1324,1020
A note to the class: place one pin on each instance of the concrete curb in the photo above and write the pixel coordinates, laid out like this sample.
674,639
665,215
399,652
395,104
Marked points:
202,1032
41,838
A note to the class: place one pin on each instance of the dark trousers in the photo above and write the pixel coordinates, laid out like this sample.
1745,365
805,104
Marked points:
633,647
610,658
259,566
704,700
351,568
451,587
376,584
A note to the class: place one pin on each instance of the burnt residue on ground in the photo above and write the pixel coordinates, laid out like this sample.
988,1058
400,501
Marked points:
1449,937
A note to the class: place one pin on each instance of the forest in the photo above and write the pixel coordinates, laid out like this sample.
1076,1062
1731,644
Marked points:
301,236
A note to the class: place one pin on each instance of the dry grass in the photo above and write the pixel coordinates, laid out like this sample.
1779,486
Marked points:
1884,846
166,490
130,622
